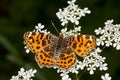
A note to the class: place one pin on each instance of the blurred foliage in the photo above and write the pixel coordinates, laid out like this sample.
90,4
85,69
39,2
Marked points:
20,16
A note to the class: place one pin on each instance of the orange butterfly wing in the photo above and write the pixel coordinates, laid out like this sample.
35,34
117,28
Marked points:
45,57
66,59
82,44
40,44
35,41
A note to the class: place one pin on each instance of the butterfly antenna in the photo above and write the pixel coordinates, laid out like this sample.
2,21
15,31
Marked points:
55,27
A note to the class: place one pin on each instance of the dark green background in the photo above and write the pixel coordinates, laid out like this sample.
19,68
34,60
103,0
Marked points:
20,16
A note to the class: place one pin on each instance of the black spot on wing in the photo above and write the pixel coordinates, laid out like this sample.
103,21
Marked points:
47,37
78,38
38,42
65,63
51,54
38,47
74,45
32,39
82,54
43,42
41,57
87,36
88,42
80,45
71,40
69,60
78,50
33,33
48,60
38,37
41,35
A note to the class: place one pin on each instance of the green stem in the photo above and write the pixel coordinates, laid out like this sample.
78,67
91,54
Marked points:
74,26
103,48
66,25
79,76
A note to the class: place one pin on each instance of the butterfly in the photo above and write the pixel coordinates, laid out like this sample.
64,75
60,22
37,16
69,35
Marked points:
59,52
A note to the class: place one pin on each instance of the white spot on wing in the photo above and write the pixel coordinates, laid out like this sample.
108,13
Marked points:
91,38
29,34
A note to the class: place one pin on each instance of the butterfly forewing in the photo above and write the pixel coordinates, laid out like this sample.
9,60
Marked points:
37,41
82,44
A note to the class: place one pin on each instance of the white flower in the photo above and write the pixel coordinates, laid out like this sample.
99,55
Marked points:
99,31
24,75
91,68
27,50
106,77
81,65
75,31
21,72
117,45
93,61
15,78
28,74
100,41
109,35
71,13
40,28
65,77
103,66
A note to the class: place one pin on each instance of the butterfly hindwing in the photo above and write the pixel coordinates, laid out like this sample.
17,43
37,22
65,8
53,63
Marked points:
45,57
66,59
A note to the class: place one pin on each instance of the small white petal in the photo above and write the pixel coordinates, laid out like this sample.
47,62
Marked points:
91,72
27,50
118,47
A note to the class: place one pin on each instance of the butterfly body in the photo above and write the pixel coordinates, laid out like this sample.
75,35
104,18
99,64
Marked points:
52,51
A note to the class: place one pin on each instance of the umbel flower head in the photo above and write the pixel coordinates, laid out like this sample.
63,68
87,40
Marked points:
24,75
109,35
71,13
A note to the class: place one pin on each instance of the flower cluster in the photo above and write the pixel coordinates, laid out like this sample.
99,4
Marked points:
24,75
109,35
75,31
93,61
71,13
